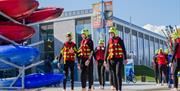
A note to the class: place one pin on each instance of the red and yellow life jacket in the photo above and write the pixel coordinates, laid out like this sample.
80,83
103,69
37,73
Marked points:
100,53
84,50
161,59
114,49
178,50
69,51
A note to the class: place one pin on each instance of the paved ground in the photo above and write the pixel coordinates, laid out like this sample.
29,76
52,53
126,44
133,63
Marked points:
126,87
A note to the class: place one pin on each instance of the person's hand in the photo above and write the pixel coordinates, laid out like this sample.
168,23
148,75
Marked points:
106,66
87,62
170,64
59,65
79,66
125,61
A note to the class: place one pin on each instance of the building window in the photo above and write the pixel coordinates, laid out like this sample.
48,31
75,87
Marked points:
120,29
47,34
81,24
127,39
156,44
134,46
151,50
140,49
146,50
161,44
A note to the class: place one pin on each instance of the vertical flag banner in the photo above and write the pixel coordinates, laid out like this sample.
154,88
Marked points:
107,13
97,18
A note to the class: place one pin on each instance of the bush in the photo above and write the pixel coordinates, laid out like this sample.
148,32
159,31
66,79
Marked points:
143,70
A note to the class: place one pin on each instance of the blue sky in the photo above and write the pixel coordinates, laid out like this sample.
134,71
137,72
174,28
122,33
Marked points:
156,12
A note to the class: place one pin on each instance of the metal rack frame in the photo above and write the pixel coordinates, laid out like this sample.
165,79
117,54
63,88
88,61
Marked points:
21,69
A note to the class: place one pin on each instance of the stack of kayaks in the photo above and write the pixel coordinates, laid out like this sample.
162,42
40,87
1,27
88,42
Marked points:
16,32
19,55
44,14
23,10
18,9
35,80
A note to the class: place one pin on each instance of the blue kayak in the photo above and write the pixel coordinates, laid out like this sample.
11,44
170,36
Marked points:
19,55
35,80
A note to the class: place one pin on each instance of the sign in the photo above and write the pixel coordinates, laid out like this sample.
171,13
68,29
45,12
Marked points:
107,13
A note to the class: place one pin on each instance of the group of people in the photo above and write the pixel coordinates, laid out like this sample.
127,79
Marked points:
107,57
161,64
167,64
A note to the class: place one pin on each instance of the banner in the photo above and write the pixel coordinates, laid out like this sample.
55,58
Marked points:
97,18
98,14
108,9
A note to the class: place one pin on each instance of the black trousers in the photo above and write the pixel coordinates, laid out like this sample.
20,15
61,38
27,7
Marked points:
69,64
163,70
177,68
101,72
112,83
86,73
156,72
116,66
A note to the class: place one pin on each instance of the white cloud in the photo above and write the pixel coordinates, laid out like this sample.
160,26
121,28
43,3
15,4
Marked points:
156,29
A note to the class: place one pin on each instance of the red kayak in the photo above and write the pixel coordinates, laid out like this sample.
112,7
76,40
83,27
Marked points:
44,14
16,32
18,9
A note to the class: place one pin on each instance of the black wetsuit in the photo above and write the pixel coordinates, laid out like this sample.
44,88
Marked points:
100,65
87,71
116,65
177,65
69,65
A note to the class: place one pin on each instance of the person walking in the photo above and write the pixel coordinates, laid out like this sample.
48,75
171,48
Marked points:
116,53
162,63
156,68
176,58
68,52
99,55
86,60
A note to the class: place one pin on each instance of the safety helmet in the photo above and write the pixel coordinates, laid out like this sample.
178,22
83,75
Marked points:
85,31
160,50
101,41
175,34
166,51
156,52
69,34
113,30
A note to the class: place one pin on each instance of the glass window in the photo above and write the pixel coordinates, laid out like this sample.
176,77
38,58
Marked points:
151,51
127,39
134,48
156,44
46,34
120,29
80,24
146,50
140,49
161,44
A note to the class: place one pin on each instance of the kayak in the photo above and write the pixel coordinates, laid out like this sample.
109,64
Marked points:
19,55
35,80
44,14
16,32
18,9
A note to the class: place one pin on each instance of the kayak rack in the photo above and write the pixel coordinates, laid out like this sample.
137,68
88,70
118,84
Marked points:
21,74
21,69
8,17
